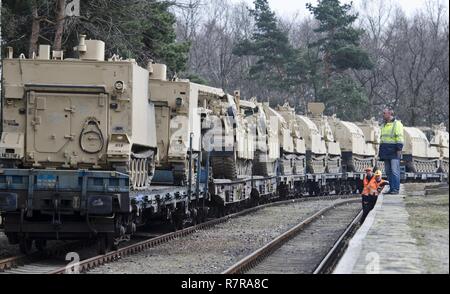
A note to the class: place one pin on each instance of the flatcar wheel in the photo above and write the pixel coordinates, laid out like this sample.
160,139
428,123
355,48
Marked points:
25,245
40,245
195,217
180,224
177,222
311,191
221,212
112,243
204,214
349,189
199,218
114,246
102,245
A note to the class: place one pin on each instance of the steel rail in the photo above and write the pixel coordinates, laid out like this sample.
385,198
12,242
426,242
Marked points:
329,262
100,260
259,255
22,260
14,261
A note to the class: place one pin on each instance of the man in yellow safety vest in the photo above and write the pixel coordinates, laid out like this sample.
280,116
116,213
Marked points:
391,147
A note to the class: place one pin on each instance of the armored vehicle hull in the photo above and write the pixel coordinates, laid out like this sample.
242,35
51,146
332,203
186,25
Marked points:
77,136
316,148
372,133
204,118
297,153
231,143
357,155
419,156
334,156
266,140
440,140
80,114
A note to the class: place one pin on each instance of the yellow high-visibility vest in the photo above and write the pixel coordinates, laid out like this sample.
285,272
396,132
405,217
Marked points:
392,133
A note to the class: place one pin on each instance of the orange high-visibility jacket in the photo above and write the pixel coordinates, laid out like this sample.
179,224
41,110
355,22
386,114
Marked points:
372,187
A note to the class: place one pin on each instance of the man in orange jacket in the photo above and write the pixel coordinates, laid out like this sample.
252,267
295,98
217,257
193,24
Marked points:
373,185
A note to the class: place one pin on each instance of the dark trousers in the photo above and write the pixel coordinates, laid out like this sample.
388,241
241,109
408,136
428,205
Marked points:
368,204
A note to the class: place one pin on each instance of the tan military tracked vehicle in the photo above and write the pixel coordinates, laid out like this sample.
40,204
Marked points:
419,156
440,140
179,108
357,154
267,145
299,145
84,113
308,134
334,157
232,148
316,148
372,132
206,116
288,156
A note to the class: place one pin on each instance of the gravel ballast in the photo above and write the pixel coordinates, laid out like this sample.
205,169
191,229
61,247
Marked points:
303,253
213,250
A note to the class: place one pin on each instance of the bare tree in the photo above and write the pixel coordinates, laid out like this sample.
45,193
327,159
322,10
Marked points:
35,28
410,54
60,16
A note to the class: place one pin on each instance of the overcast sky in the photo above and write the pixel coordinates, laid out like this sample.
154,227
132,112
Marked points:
291,7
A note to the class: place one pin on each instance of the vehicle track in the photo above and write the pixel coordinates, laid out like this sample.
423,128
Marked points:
310,247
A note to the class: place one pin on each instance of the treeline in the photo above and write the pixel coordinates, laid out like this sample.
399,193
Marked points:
139,29
406,68
357,60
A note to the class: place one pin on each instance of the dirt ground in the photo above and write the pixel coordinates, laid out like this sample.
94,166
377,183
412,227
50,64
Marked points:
429,221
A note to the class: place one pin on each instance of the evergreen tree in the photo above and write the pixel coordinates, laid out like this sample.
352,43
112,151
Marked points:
160,37
141,29
338,51
270,45
16,24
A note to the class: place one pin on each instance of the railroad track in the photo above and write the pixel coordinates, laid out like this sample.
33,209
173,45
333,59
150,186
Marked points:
40,262
329,262
297,250
97,261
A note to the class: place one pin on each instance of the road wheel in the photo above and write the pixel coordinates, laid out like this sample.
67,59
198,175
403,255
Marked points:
102,245
25,245
40,245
